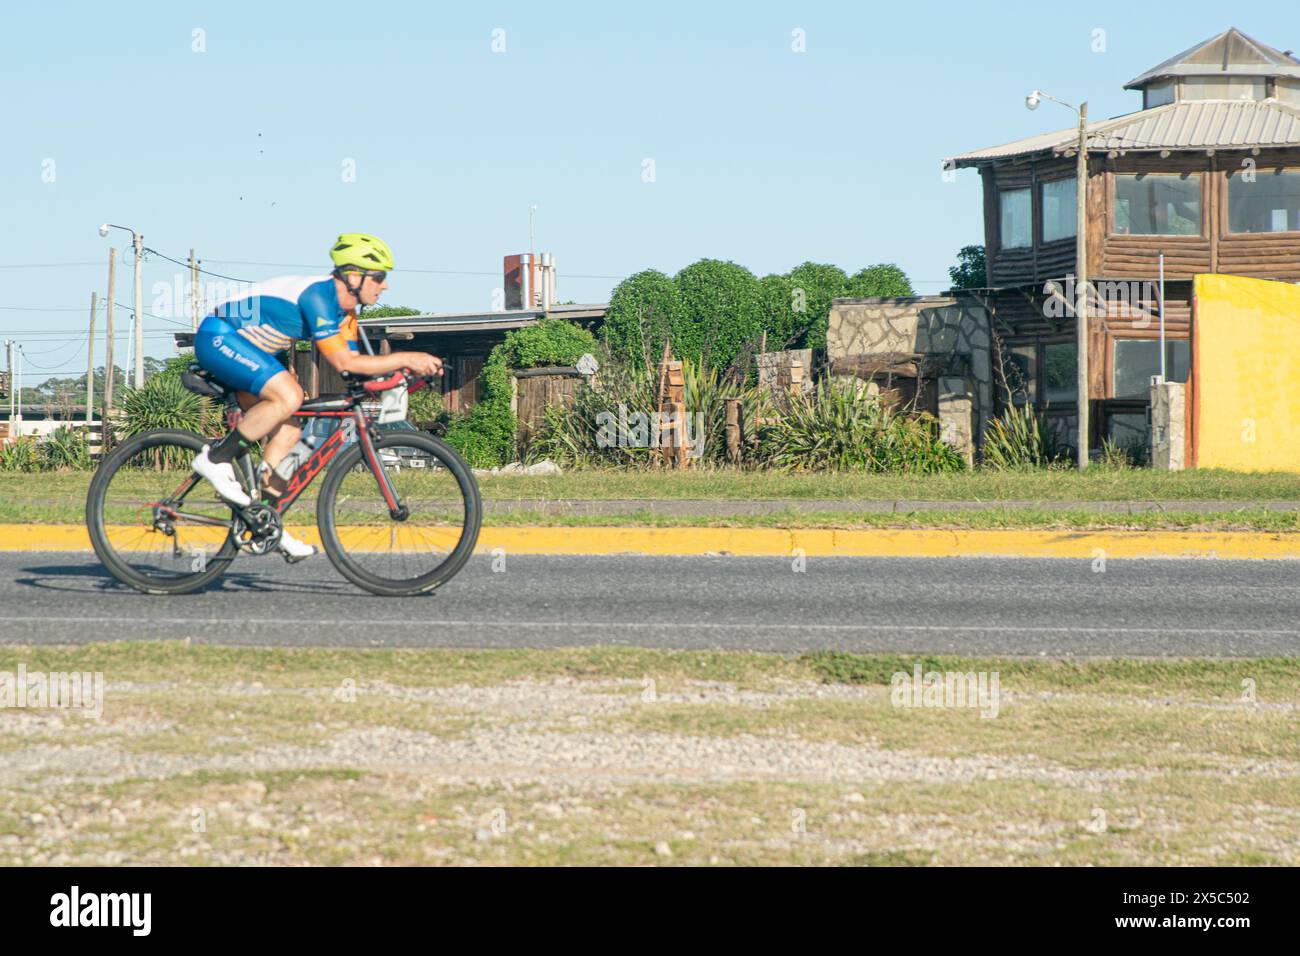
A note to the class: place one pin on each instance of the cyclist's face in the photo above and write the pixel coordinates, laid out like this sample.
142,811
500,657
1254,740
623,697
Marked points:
372,290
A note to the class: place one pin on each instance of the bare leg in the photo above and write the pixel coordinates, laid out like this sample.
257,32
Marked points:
266,416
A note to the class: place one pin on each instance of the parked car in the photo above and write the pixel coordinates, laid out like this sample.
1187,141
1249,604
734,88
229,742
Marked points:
318,429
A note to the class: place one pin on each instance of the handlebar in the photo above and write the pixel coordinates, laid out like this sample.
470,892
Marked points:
384,383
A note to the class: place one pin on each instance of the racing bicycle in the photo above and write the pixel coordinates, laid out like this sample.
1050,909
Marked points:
398,513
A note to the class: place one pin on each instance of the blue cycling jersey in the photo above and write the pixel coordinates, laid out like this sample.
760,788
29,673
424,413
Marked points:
275,313
238,340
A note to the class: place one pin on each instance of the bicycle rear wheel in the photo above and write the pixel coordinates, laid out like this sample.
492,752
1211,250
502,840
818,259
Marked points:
154,524
432,537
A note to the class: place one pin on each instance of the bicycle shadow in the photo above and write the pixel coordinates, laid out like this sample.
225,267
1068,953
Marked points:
92,577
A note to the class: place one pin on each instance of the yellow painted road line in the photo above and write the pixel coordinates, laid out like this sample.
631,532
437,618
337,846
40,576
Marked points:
914,543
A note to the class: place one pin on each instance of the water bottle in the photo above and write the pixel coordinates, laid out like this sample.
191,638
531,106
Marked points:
297,457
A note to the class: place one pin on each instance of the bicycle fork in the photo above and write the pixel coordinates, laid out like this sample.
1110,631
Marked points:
396,509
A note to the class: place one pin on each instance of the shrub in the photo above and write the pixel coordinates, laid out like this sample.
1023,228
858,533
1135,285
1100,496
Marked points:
485,435
785,315
643,311
1019,439
885,279
425,407
163,402
21,454
721,312
840,426
66,448
571,436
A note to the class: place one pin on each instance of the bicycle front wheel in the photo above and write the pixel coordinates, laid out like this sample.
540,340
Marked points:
427,541
155,524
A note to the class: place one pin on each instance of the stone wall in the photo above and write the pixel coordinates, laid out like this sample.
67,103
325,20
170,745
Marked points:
775,370
940,327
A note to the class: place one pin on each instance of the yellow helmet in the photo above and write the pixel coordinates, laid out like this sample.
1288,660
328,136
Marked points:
360,250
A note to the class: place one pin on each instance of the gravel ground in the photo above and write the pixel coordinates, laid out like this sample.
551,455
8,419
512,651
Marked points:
550,771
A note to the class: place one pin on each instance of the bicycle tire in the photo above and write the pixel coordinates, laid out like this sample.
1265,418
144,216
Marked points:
97,525
399,587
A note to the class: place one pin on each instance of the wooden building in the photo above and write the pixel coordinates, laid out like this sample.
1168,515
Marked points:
1207,172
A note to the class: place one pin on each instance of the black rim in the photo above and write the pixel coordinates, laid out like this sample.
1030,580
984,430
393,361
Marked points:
153,520
425,539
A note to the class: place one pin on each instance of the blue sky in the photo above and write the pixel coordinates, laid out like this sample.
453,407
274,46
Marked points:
761,155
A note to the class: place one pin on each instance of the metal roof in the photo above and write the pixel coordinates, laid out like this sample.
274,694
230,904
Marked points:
1231,53
1194,124
482,321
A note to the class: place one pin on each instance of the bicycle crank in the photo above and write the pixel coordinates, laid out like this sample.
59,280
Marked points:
257,529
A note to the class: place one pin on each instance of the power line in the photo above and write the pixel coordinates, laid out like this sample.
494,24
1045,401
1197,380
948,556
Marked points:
51,368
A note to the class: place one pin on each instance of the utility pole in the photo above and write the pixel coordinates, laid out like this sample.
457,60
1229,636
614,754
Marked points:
9,367
90,362
137,243
1081,274
194,292
108,360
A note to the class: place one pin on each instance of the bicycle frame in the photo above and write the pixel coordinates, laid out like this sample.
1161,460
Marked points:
307,471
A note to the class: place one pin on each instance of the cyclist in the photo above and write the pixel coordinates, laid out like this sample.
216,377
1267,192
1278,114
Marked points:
238,340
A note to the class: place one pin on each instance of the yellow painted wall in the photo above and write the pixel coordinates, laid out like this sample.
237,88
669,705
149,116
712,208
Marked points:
1247,341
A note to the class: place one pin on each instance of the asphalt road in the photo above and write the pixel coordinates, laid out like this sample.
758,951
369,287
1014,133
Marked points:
950,605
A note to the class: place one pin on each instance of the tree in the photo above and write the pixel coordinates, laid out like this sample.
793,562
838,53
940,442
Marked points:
821,282
784,313
643,311
883,279
722,312
970,272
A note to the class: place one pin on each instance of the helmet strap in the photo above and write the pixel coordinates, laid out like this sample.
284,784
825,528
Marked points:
354,292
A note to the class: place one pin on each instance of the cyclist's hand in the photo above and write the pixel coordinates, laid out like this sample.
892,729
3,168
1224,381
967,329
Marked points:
421,363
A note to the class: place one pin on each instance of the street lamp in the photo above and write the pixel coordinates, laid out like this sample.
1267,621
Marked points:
137,244
1081,260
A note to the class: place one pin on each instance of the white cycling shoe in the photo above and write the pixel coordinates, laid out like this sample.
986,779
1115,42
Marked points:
293,549
221,475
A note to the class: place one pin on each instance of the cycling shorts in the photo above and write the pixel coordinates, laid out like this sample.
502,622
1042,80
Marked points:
233,359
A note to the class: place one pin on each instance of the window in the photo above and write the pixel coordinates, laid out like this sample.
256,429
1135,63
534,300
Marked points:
1014,209
1158,94
1158,204
1136,360
1021,370
1128,432
1060,372
1271,203
1223,88
1060,210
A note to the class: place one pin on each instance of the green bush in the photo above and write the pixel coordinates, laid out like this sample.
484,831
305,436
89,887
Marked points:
485,435
785,314
643,311
163,402
601,428
425,407
885,279
722,314
841,427
66,448
820,282
21,454
1019,439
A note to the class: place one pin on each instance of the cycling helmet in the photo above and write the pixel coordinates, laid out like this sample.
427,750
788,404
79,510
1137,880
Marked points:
359,250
